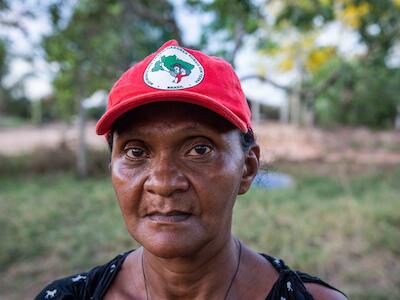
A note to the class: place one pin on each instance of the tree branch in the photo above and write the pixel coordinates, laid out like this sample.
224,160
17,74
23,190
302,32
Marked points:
14,24
324,85
153,15
269,81
238,40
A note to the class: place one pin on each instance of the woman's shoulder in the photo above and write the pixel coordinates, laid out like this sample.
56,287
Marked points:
291,283
322,292
319,288
85,285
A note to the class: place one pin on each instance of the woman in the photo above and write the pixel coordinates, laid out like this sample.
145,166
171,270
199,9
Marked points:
181,152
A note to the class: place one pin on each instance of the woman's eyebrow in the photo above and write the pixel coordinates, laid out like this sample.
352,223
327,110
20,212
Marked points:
193,128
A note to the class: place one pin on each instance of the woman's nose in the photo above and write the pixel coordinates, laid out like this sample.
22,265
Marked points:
165,178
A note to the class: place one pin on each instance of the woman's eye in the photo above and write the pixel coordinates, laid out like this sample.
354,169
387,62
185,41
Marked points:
199,150
135,153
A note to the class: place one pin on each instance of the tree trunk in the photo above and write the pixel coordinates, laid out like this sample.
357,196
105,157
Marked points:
309,116
82,148
309,110
36,112
295,108
397,121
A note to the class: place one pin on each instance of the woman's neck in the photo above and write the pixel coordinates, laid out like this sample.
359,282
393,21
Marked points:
207,275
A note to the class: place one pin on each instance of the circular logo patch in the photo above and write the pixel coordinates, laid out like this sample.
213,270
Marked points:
173,69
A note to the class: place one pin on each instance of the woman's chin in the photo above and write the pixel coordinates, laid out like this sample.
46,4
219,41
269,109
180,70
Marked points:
168,252
171,247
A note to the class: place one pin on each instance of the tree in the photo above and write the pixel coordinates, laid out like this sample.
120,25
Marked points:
377,26
3,72
12,101
362,95
99,41
233,20
289,31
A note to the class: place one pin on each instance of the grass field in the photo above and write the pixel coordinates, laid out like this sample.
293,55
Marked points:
336,223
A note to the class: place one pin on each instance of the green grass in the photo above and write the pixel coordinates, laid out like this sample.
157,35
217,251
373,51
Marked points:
342,226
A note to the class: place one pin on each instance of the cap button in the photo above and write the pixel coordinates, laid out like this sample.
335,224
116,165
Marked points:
170,43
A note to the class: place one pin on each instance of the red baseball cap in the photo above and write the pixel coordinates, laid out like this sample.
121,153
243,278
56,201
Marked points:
174,73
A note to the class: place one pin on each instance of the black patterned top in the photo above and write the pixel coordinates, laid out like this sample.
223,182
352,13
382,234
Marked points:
93,285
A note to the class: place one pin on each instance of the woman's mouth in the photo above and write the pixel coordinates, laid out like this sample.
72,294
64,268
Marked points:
171,217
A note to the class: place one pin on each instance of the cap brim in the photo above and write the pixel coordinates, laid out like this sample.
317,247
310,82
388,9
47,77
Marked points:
104,125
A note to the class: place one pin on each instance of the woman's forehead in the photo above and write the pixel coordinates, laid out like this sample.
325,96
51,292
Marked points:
171,114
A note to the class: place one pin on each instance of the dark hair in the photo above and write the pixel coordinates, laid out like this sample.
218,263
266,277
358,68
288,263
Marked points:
246,140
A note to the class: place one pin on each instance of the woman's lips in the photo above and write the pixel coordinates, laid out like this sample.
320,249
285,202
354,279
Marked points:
173,217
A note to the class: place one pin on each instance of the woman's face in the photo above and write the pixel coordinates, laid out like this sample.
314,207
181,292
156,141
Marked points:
176,170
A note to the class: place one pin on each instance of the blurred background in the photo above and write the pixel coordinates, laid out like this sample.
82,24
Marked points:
323,81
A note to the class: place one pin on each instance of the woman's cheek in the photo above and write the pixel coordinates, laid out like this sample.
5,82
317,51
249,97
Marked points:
123,172
125,180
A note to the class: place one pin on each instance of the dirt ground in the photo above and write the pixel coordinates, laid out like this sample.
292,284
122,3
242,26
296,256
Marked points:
282,142
279,142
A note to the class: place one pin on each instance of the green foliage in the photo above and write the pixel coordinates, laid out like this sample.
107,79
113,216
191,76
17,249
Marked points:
232,20
366,91
4,92
289,29
10,104
3,59
302,14
376,21
13,102
358,14
229,13
364,95
99,41
4,4
18,107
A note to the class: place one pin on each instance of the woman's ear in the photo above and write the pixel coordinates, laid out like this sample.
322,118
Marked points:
251,165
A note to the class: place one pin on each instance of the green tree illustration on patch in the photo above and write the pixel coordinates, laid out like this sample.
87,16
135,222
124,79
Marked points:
176,67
